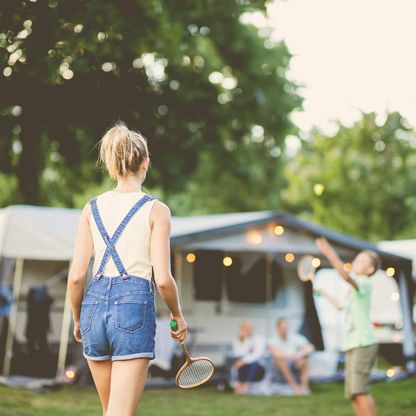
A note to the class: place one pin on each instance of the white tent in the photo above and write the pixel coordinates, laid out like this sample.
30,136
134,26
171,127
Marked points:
40,233
404,248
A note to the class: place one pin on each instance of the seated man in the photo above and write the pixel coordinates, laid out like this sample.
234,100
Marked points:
290,353
249,349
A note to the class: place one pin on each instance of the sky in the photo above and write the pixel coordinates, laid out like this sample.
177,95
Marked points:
350,55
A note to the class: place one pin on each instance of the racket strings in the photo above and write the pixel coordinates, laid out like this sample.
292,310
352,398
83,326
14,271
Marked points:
195,373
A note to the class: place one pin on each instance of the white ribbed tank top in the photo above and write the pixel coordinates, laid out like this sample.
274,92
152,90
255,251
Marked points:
133,244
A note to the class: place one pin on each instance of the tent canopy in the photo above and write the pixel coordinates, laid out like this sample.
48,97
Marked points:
255,231
38,233
404,248
47,233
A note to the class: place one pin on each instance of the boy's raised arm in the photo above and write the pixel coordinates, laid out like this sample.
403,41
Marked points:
328,251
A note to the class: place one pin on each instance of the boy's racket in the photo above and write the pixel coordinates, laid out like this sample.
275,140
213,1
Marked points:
195,371
306,269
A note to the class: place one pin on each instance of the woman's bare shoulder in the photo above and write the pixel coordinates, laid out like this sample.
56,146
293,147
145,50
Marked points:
160,208
159,212
86,211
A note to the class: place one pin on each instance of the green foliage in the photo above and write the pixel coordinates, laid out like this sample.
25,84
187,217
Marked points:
392,399
361,181
72,67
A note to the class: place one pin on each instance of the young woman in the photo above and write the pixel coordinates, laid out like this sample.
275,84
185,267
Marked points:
128,231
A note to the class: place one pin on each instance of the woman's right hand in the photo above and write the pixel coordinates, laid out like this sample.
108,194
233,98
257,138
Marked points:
77,332
181,333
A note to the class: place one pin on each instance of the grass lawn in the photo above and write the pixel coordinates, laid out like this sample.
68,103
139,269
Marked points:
395,399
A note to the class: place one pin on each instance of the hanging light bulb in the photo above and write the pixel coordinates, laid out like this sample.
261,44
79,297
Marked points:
290,257
190,257
279,230
227,261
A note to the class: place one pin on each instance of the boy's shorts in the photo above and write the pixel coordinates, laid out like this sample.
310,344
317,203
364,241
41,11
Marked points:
359,362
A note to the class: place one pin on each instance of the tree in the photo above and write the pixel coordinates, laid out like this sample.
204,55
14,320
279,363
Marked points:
360,181
188,74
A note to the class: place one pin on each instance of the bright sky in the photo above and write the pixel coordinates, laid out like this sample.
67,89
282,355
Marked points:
350,55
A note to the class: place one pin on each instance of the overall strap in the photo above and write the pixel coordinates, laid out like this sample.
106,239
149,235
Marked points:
110,242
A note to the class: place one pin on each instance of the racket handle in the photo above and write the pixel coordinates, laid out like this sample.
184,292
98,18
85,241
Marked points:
173,325
185,350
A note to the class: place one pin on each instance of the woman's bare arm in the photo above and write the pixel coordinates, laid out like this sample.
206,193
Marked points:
82,255
160,218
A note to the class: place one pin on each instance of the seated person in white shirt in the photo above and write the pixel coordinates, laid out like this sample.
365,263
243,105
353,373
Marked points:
290,352
249,349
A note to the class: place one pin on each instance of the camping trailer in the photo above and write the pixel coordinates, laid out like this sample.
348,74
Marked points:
280,240
228,267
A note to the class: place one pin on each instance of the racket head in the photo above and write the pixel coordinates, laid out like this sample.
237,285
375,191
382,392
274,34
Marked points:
306,269
194,372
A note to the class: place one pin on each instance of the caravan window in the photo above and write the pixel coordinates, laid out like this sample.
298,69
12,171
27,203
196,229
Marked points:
208,270
251,285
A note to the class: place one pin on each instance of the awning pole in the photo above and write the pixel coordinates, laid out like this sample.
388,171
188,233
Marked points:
269,261
222,304
11,330
178,258
66,326
408,342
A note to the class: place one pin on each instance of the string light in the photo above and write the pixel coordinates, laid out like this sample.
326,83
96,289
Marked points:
347,267
253,237
290,257
279,230
70,373
227,261
190,257
316,262
390,271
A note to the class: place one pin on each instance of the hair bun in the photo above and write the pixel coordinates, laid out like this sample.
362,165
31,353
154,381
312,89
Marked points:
121,129
122,150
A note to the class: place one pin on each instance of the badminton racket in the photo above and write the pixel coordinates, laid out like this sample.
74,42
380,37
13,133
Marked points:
195,371
306,268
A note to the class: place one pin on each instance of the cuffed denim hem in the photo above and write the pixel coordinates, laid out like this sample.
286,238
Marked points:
102,358
130,356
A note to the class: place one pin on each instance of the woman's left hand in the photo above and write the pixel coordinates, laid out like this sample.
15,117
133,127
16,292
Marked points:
77,332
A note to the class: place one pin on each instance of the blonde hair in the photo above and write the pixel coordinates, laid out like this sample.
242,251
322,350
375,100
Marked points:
122,151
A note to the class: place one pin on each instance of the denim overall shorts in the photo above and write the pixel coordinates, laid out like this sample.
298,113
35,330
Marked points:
118,315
